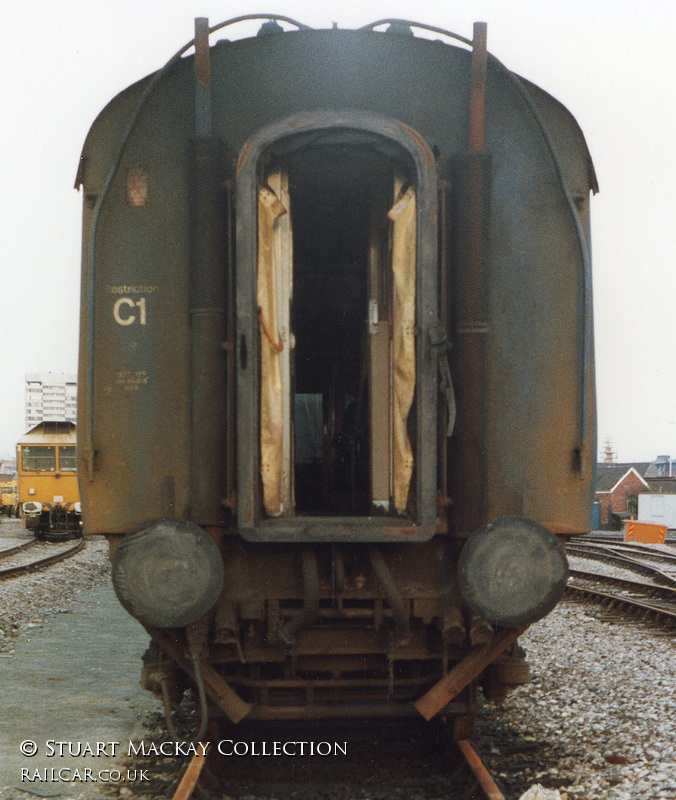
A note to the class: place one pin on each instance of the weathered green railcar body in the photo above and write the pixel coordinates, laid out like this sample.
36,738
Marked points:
170,373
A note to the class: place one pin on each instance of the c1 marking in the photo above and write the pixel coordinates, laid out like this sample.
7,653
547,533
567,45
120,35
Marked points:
125,317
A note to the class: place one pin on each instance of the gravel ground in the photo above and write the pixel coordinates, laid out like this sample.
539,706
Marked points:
27,601
598,721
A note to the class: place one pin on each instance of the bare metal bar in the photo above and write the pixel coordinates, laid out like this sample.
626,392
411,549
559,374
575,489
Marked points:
481,773
465,672
477,87
190,777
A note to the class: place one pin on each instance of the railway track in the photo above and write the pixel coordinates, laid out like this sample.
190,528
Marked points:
50,553
634,578
6,552
382,760
658,554
618,536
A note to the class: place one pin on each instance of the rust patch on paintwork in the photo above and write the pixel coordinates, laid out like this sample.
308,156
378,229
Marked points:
413,133
403,532
243,156
564,530
202,53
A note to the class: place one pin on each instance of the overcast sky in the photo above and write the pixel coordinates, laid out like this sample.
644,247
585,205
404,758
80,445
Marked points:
611,62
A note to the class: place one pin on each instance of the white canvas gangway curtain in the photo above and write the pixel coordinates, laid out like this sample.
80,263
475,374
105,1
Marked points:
403,216
273,294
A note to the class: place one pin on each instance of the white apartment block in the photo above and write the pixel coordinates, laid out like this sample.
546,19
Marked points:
50,396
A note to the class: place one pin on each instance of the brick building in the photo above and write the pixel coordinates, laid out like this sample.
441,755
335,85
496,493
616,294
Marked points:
617,490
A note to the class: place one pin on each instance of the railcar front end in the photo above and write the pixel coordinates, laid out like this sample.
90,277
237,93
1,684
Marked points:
336,375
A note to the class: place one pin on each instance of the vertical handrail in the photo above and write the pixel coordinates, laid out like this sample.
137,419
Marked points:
208,376
472,323
477,87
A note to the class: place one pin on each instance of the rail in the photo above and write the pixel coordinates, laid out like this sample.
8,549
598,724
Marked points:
654,597
630,603
612,555
41,563
190,777
10,551
474,762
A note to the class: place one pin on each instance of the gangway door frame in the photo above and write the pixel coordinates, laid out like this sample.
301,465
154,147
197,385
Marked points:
291,133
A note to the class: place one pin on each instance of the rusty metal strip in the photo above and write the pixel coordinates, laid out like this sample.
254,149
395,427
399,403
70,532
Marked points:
217,689
465,672
202,61
190,777
202,78
389,710
487,783
477,87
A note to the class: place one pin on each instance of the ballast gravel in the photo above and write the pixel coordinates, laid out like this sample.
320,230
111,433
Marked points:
597,722
598,719
27,601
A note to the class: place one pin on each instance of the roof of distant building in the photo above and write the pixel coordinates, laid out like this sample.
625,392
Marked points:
609,475
662,485
661,467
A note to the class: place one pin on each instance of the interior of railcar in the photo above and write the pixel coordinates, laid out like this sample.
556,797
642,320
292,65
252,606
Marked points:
337,237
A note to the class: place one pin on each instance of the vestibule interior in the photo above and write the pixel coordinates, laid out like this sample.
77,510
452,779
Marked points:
338,243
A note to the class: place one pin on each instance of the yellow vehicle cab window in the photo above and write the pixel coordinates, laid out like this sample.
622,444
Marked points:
68,458
38,458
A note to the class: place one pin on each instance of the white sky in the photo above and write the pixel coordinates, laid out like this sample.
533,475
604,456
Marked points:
611,62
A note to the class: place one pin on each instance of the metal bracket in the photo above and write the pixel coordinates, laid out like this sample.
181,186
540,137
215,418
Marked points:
439,341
